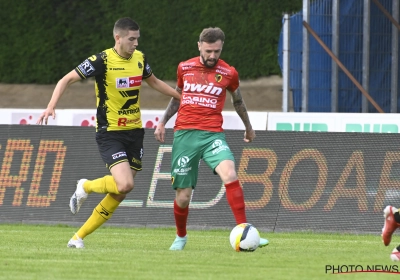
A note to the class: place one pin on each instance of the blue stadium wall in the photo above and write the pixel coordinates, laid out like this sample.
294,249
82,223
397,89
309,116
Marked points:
350,54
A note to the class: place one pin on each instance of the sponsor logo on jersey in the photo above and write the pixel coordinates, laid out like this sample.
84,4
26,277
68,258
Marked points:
118,155
218,77
219,147
187,66
224,69
188,63
202,101
137,161
183,169
125,121
210,88
148,69
140,65
183,161
86,68
129,111
129,82
217,143
206,100
116,69
221,72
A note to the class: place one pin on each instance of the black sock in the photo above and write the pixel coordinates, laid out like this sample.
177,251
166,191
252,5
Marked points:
397,217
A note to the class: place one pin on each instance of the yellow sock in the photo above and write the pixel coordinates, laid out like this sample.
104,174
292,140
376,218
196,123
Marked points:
103,211
104,184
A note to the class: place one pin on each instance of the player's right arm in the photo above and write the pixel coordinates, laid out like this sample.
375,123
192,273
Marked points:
61,86
241,110
171,110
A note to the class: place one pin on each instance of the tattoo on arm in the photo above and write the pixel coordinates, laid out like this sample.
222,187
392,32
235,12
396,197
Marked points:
240,108
172,108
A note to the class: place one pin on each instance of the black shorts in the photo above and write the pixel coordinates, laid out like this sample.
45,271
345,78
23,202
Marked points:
119,146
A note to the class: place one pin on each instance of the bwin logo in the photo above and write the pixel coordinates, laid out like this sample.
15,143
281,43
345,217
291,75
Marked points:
210,88
217,143
183,161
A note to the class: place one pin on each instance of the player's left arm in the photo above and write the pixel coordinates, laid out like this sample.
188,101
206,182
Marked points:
162,87
241,110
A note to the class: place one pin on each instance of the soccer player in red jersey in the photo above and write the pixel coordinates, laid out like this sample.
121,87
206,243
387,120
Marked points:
198,134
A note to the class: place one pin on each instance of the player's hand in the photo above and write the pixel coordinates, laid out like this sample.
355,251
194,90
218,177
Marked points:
249,135
45,115
159,133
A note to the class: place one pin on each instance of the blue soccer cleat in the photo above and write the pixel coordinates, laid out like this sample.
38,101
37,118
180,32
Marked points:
263,242
178,244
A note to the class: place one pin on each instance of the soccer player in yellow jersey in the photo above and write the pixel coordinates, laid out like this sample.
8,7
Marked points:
118,73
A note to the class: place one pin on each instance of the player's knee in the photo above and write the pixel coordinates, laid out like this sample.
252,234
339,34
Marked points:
118,197
182,203
125,188
229,176
183,200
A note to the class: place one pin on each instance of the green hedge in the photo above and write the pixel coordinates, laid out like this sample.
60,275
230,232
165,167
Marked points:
44,39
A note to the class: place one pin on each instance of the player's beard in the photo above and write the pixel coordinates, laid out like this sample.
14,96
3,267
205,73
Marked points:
209,63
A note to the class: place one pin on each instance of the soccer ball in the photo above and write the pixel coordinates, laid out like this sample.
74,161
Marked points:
244,237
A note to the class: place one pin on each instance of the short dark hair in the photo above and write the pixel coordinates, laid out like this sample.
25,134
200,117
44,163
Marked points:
125,24
212,35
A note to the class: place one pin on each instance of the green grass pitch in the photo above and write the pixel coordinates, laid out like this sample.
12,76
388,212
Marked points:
40,252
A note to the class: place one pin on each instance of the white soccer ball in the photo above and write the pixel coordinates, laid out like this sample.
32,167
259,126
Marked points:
244,237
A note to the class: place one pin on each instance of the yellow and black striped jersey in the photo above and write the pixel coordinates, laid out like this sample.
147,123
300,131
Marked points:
118,83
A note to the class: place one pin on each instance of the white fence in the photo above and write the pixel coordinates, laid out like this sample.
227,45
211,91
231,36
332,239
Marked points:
87,117
313,122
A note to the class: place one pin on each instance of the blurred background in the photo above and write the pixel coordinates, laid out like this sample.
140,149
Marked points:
45,39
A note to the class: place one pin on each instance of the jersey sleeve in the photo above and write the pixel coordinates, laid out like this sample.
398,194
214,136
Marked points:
91,67
179,76
234,84
147,72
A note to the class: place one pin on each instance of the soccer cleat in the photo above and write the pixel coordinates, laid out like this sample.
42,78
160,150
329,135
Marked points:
78,197
72,243
395,255
390,224
263,242
179,243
